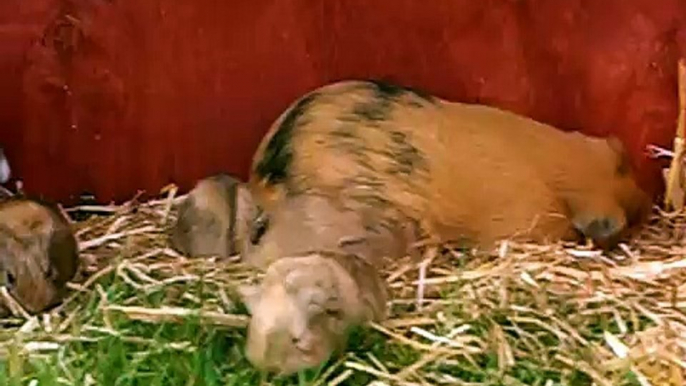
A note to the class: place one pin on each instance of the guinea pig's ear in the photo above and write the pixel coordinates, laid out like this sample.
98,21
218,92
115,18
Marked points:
623,163
250,295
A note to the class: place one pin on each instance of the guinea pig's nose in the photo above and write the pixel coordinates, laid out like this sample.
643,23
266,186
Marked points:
304,343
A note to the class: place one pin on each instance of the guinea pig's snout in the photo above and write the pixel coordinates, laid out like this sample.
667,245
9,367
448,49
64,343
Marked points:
305,344
258,228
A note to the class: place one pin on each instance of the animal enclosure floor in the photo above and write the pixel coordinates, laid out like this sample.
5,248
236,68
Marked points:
524,315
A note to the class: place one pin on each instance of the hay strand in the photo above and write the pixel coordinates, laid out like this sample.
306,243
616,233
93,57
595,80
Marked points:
674,195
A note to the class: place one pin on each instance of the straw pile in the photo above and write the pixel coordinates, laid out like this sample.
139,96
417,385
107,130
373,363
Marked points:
578,317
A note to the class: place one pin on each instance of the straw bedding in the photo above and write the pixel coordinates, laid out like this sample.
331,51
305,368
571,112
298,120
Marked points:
574,312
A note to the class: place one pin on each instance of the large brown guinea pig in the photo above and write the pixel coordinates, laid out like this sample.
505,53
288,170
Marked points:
213,220
38,253
465,172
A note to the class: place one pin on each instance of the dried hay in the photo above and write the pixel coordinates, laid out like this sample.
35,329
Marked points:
571,309
674,175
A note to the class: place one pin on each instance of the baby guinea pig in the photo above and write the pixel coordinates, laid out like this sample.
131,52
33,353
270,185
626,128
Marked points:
304,308
213,219
38,253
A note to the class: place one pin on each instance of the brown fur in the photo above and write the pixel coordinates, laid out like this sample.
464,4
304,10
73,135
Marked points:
203,227
38,253
308,223
383,158
465,172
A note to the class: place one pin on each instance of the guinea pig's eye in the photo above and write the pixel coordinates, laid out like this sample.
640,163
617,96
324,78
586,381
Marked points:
259,228
333,313
52,272
11,280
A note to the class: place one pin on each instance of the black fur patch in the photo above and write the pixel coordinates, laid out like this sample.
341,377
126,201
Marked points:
408,158
386,95
387,90
400,156
344,139
403,157
375,110
278,155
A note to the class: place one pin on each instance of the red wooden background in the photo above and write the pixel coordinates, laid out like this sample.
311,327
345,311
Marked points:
113,96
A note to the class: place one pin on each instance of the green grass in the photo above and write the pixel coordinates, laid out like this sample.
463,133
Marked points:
133,353
136,353
177,354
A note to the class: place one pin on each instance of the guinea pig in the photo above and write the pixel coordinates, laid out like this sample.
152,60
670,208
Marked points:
392,156
467,173
38,253
305,306
214,219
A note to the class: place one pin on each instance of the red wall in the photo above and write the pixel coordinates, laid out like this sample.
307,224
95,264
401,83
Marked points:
122,95
21,23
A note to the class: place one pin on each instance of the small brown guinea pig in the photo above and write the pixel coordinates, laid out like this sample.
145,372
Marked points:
38,253
302,311
214,217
